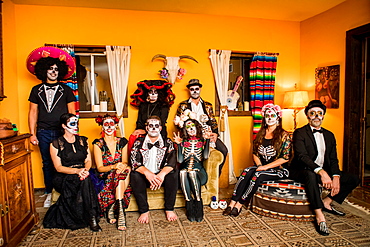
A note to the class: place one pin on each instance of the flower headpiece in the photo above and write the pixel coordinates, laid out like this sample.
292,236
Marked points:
275,108
180,120
165,74
100,119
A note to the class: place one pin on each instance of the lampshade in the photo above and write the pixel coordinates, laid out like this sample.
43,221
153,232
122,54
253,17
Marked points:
295,99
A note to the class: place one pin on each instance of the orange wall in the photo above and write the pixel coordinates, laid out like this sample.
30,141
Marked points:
323,40
148,33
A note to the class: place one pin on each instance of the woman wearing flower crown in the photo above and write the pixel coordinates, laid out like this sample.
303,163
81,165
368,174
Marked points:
110,153
271,149
192,150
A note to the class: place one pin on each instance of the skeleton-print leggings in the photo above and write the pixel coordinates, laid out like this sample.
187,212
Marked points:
250,179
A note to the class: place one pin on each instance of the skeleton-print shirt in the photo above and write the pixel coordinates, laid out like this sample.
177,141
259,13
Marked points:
267,153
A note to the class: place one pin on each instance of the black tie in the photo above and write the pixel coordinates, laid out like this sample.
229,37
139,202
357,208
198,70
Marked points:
155,144
50,88
318,131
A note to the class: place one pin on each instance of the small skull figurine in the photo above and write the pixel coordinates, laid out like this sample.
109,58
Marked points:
222,204
214,204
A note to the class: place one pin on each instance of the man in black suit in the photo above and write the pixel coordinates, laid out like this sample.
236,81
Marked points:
315,163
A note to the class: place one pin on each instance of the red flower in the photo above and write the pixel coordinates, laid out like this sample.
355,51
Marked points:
199,144
186,144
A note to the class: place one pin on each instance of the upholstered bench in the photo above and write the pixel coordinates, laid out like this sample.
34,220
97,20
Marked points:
156,197
282,199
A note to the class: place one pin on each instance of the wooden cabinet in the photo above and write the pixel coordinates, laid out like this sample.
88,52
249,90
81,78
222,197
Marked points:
17,202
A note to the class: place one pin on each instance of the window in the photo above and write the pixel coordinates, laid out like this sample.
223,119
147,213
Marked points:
94,87
239,66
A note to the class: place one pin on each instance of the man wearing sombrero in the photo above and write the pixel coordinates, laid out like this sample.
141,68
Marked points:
48,101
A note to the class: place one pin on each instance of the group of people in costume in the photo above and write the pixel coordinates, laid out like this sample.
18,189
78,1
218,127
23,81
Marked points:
150,158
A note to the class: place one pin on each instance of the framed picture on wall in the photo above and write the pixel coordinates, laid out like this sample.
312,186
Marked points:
327,85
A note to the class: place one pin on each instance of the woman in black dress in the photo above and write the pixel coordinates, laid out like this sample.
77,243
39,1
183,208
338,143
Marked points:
153,98
77,206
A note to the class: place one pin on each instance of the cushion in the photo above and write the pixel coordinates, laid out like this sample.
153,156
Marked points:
282,199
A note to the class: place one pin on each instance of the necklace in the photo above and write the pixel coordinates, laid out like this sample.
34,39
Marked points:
151,112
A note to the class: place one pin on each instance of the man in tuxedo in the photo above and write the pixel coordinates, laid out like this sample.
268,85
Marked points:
204,115
153,161
315,163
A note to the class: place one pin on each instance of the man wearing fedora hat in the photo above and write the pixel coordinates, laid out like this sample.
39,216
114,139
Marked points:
204,115
315,163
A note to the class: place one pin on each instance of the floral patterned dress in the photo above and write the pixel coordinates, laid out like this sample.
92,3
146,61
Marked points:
111,179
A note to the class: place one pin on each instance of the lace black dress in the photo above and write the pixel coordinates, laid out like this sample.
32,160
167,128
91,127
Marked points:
77,202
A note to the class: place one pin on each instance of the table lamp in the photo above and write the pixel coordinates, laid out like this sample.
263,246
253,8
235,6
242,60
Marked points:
296,100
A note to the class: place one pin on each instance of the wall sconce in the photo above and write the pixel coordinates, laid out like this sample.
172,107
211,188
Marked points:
296,100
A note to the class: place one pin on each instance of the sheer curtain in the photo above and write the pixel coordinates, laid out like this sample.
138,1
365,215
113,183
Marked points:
220,63
118,58
262,85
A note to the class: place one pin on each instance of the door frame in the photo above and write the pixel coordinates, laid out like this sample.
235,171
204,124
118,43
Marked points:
354,118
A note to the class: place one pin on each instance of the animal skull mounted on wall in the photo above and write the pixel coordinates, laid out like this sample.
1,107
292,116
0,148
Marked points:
172,65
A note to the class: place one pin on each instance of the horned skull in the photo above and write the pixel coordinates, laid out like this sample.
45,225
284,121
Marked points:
172,65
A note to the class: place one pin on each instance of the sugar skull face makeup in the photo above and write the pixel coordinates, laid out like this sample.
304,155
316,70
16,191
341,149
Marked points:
52,73
191,128
109,126
72,125
153,95
315,116
271,117
153,127
194,92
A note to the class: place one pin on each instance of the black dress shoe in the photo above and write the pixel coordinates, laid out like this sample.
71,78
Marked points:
235,212
333,211
94,226
322,228
227,211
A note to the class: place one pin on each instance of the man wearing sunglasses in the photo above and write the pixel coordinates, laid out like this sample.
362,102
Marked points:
153,161
315,164
204,115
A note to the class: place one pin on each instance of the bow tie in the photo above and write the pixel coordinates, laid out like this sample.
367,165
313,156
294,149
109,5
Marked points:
156,144
50,88
317,131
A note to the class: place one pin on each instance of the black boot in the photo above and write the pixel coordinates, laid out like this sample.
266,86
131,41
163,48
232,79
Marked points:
198,205
190,213
110,213
121,223
94,226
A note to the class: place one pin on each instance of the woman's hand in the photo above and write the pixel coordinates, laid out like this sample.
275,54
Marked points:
83,173
120,167
177,138
139,132
262,168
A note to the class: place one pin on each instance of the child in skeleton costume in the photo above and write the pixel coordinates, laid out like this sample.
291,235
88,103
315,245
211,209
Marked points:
271,149
111,159
153,161
48,101
192,151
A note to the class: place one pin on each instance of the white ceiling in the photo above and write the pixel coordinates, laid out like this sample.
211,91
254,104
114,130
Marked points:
289,10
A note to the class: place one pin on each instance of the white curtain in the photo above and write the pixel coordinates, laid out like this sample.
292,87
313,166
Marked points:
220,61
118,58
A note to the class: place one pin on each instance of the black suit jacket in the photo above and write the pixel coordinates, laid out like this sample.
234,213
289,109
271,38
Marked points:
305,151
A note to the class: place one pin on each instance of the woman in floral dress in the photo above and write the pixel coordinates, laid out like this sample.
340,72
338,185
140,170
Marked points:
110,153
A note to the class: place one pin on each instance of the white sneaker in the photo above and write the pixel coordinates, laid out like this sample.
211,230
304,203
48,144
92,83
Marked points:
47,202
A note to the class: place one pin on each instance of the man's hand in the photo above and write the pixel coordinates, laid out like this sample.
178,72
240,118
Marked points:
262,168
336,186
327,183
214,137
154,180
33,140
139,132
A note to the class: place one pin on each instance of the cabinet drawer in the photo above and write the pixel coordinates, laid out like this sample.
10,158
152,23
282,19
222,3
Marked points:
14,149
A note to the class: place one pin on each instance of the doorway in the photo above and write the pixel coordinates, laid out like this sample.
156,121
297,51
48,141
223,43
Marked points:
356,152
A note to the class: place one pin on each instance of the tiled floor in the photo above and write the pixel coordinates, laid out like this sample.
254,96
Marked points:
248,229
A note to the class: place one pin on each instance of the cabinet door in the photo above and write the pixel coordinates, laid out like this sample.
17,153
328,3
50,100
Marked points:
2,207
18,197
